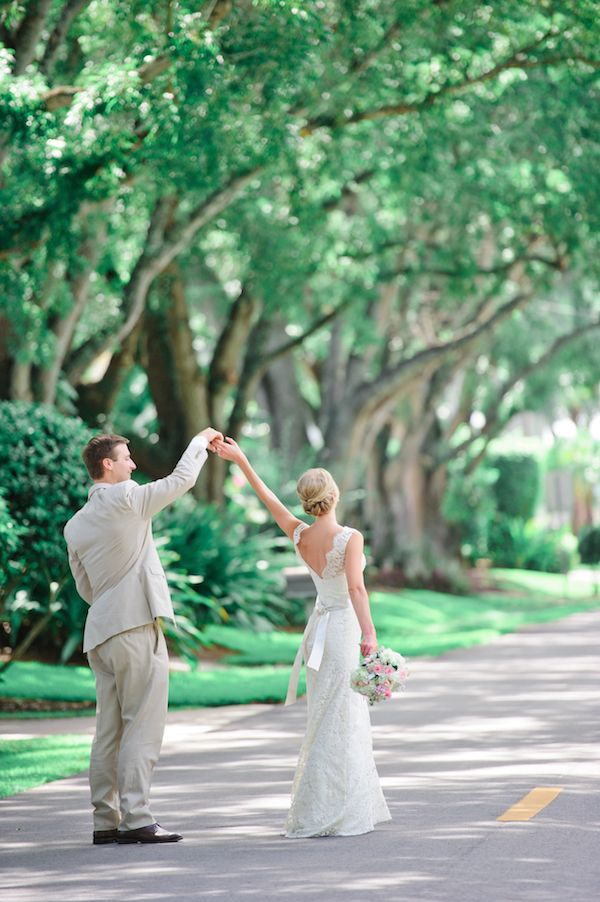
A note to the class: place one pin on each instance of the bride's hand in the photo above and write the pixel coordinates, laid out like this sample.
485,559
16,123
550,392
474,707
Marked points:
368,644
229,449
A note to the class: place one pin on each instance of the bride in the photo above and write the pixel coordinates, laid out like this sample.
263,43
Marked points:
336,788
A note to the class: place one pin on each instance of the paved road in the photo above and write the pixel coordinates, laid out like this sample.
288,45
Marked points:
476,730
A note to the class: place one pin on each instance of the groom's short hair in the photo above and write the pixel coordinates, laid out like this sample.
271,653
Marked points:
97,449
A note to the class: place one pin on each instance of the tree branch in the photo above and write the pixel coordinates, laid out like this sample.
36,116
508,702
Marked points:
374,393
181,234
494,423
28,33
258,360
517,60
163,244
288,346
359,65
78,278
155,67
227,356
134,296
252,371
68,13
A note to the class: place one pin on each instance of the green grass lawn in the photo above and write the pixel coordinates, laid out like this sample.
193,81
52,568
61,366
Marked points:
25,763
580,584
231,685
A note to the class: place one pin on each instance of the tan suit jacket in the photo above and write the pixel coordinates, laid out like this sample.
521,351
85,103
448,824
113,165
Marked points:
112,554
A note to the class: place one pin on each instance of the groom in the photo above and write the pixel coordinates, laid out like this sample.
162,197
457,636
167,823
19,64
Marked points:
118,572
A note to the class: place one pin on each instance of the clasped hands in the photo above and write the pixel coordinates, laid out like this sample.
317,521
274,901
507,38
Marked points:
226,448
212,436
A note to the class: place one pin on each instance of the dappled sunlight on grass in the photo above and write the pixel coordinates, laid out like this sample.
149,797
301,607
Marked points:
28,762
580,583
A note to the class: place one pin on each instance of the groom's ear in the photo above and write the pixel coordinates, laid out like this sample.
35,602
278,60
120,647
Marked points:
107,463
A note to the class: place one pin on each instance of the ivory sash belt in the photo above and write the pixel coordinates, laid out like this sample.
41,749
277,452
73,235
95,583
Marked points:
318,621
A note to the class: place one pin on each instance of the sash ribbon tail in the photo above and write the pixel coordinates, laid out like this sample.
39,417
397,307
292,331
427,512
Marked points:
321,616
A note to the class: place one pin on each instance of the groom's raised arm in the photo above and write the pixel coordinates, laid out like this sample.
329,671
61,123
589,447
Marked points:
147,500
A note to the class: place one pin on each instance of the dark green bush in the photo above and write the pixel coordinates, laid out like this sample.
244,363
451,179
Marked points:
44,482
514,543
517,486
470,505
11,536
589,545
493,509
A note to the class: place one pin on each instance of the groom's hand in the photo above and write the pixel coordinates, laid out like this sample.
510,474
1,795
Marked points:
211,435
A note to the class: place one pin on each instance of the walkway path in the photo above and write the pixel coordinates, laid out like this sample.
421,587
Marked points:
475,731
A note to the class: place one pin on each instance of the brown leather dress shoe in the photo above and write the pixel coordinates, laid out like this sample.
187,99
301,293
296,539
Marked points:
151,833
103,837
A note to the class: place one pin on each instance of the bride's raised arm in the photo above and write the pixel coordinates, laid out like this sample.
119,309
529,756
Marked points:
228,449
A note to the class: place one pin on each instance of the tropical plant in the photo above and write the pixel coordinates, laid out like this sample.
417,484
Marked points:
221,569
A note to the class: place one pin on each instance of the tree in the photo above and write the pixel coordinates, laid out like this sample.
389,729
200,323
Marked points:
206,190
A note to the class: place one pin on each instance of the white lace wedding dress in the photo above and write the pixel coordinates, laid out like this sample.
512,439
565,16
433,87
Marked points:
336,788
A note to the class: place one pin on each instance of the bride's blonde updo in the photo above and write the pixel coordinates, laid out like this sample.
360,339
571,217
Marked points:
317,491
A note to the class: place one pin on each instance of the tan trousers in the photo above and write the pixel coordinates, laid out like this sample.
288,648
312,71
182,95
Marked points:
132,683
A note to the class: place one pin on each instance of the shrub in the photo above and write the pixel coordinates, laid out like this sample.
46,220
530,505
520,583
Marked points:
11,536
514,543
43,482
517,485
589,545
470,505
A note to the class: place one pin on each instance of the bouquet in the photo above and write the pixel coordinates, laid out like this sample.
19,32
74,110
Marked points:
380,673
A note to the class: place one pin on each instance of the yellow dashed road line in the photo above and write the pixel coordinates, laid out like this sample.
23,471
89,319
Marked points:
531,804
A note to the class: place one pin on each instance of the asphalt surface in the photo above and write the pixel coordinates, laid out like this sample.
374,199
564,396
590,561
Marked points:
474,732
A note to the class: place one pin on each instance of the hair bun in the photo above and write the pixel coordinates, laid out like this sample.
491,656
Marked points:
317,491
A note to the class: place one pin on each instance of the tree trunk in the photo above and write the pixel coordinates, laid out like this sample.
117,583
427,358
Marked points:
29,33
68,13
289,414
79,279
229,354
176,382
6,361
582,511
415,535
20,383
97,399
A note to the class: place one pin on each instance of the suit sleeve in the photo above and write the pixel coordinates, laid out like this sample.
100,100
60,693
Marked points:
148,500
80,576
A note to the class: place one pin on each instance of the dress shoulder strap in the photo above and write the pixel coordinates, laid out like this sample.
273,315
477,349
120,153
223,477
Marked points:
297,532
335,557
344,536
